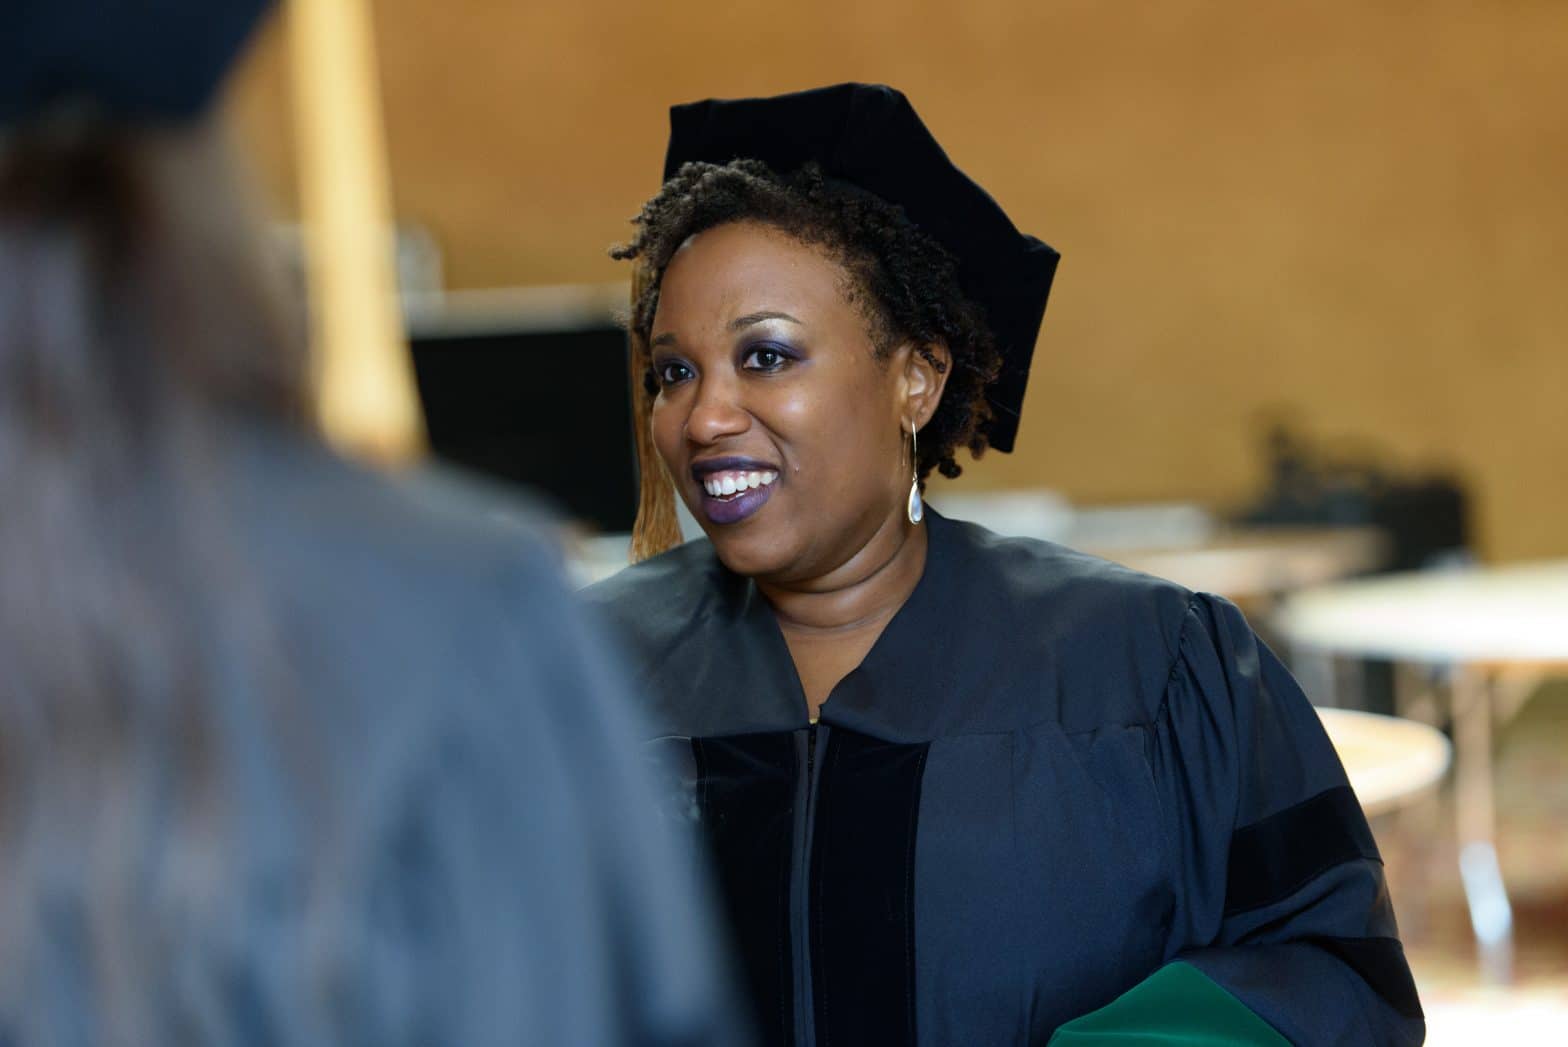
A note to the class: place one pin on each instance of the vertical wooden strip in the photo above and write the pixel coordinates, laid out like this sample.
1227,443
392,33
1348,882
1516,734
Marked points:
365,393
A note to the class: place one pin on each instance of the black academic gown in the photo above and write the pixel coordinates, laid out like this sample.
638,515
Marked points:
1051,778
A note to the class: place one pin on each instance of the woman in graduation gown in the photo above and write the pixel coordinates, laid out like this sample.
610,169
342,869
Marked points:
959,788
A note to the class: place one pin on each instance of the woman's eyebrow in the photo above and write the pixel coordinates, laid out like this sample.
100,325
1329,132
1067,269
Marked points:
740,322
756,318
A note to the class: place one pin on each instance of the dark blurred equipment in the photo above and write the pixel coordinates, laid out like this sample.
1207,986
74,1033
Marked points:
533,398
1426,520
1425,517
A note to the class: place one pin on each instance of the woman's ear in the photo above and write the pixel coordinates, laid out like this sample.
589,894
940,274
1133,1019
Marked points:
925,368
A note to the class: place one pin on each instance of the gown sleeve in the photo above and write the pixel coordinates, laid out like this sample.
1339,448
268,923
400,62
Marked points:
1280,896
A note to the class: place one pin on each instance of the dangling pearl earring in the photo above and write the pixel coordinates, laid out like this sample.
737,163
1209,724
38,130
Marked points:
916,508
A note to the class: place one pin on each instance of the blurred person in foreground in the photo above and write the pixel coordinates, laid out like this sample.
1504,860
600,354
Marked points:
290,753
961,789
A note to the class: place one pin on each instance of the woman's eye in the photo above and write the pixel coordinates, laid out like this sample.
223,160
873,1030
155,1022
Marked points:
764,358
671,372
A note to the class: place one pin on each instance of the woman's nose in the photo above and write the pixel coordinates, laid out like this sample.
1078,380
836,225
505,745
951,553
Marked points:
715,414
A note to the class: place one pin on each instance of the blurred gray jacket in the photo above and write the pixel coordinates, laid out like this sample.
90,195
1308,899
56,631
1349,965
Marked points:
423,820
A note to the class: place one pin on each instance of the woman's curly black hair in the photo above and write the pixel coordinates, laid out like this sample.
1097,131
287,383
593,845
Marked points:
903,281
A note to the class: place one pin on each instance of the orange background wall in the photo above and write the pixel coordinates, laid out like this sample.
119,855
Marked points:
1351,212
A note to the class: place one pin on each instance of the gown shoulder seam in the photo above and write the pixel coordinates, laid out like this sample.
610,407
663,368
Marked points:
1178,655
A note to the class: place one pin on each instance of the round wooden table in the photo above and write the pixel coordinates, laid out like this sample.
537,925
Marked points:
1390,761
1497,630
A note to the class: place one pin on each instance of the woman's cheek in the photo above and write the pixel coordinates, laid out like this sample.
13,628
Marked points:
665,425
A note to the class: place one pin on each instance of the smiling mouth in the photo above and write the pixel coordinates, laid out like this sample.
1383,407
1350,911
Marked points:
733,489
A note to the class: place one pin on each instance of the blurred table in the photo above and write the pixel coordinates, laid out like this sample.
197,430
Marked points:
1257,563
1498,630
1390,761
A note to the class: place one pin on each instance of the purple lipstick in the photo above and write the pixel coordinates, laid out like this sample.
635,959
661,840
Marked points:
734,488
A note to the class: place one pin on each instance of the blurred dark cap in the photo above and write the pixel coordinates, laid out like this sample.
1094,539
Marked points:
870,136
123,61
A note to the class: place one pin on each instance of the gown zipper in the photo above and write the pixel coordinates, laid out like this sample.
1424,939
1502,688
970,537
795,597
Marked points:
800,886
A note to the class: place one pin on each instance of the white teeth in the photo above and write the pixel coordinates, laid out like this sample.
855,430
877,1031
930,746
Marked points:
722,485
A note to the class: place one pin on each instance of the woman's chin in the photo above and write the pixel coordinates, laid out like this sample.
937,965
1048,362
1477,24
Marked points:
746,533
752,551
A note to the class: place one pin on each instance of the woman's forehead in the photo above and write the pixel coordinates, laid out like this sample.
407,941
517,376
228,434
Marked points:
744,268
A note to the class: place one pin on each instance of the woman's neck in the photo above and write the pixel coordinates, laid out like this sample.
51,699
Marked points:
831,622
863,592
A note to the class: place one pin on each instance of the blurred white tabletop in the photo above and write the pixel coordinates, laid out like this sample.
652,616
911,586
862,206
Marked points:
1250,563
1473,615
